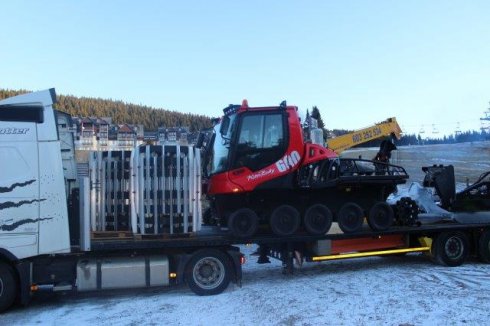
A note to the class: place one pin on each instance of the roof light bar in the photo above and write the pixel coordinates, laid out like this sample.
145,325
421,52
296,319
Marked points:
231,109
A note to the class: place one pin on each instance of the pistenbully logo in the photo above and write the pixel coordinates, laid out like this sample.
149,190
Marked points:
288,161
260,174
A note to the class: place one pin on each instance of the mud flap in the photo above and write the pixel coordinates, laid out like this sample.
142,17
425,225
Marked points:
236,257
24,273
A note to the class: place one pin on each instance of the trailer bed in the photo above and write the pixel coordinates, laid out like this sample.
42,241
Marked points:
213,236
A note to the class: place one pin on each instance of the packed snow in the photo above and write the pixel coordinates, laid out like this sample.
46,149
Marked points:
406,290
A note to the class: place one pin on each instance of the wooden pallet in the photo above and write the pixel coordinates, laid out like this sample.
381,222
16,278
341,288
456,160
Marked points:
112,235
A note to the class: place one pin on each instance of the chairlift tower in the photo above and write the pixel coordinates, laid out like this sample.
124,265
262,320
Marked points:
435,131
457,132
485,121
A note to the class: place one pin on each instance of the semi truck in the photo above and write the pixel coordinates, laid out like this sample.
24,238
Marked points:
133,219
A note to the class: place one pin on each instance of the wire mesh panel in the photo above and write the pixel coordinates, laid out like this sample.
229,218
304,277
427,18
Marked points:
165,193
110,190
150,190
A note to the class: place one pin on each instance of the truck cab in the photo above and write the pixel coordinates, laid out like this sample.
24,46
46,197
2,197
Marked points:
33,211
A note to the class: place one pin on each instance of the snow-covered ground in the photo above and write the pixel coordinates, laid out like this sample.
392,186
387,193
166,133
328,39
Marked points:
469,159
406,290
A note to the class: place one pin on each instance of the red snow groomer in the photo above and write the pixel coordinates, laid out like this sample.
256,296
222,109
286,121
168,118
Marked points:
261,171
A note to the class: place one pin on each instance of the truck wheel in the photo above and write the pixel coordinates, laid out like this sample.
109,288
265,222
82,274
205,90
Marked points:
8,286
350,218
318,219
450,248
381,216
243,223
208,272
484,247
285,220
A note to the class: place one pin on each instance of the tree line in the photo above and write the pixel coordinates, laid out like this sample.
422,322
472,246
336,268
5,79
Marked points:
121,112
152,118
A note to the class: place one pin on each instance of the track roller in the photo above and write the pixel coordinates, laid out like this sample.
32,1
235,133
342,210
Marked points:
318,219
285,220
243,223
381,216
350,218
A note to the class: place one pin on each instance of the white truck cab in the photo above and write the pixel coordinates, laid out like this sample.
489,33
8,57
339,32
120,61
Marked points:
33,212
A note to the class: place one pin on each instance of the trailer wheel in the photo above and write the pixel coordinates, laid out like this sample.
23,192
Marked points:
285,220
243,223
208,272
8,286
318,219
381,216
484,247
350,218
450,248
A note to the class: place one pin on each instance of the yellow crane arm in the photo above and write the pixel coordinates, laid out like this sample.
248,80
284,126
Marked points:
379,130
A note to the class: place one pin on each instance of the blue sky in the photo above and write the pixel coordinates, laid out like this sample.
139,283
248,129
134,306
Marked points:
425,62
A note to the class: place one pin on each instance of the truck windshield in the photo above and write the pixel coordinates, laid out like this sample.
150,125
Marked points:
220,147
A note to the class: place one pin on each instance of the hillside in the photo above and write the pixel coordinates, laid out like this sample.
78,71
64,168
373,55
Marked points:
469,159
121,112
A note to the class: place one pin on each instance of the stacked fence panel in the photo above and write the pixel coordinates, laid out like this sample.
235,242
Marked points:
154,189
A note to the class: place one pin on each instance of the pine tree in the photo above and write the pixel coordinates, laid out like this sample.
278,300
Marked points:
315,114
307,119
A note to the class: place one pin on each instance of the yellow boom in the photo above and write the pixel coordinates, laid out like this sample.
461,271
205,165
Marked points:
379,130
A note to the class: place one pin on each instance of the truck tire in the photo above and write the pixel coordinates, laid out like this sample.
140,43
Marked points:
350,218
243,223
285,220
8,286
484,247
450,248
381,216
208,272
318,219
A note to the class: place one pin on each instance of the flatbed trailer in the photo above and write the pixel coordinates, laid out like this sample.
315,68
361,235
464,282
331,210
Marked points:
447,243
134,234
